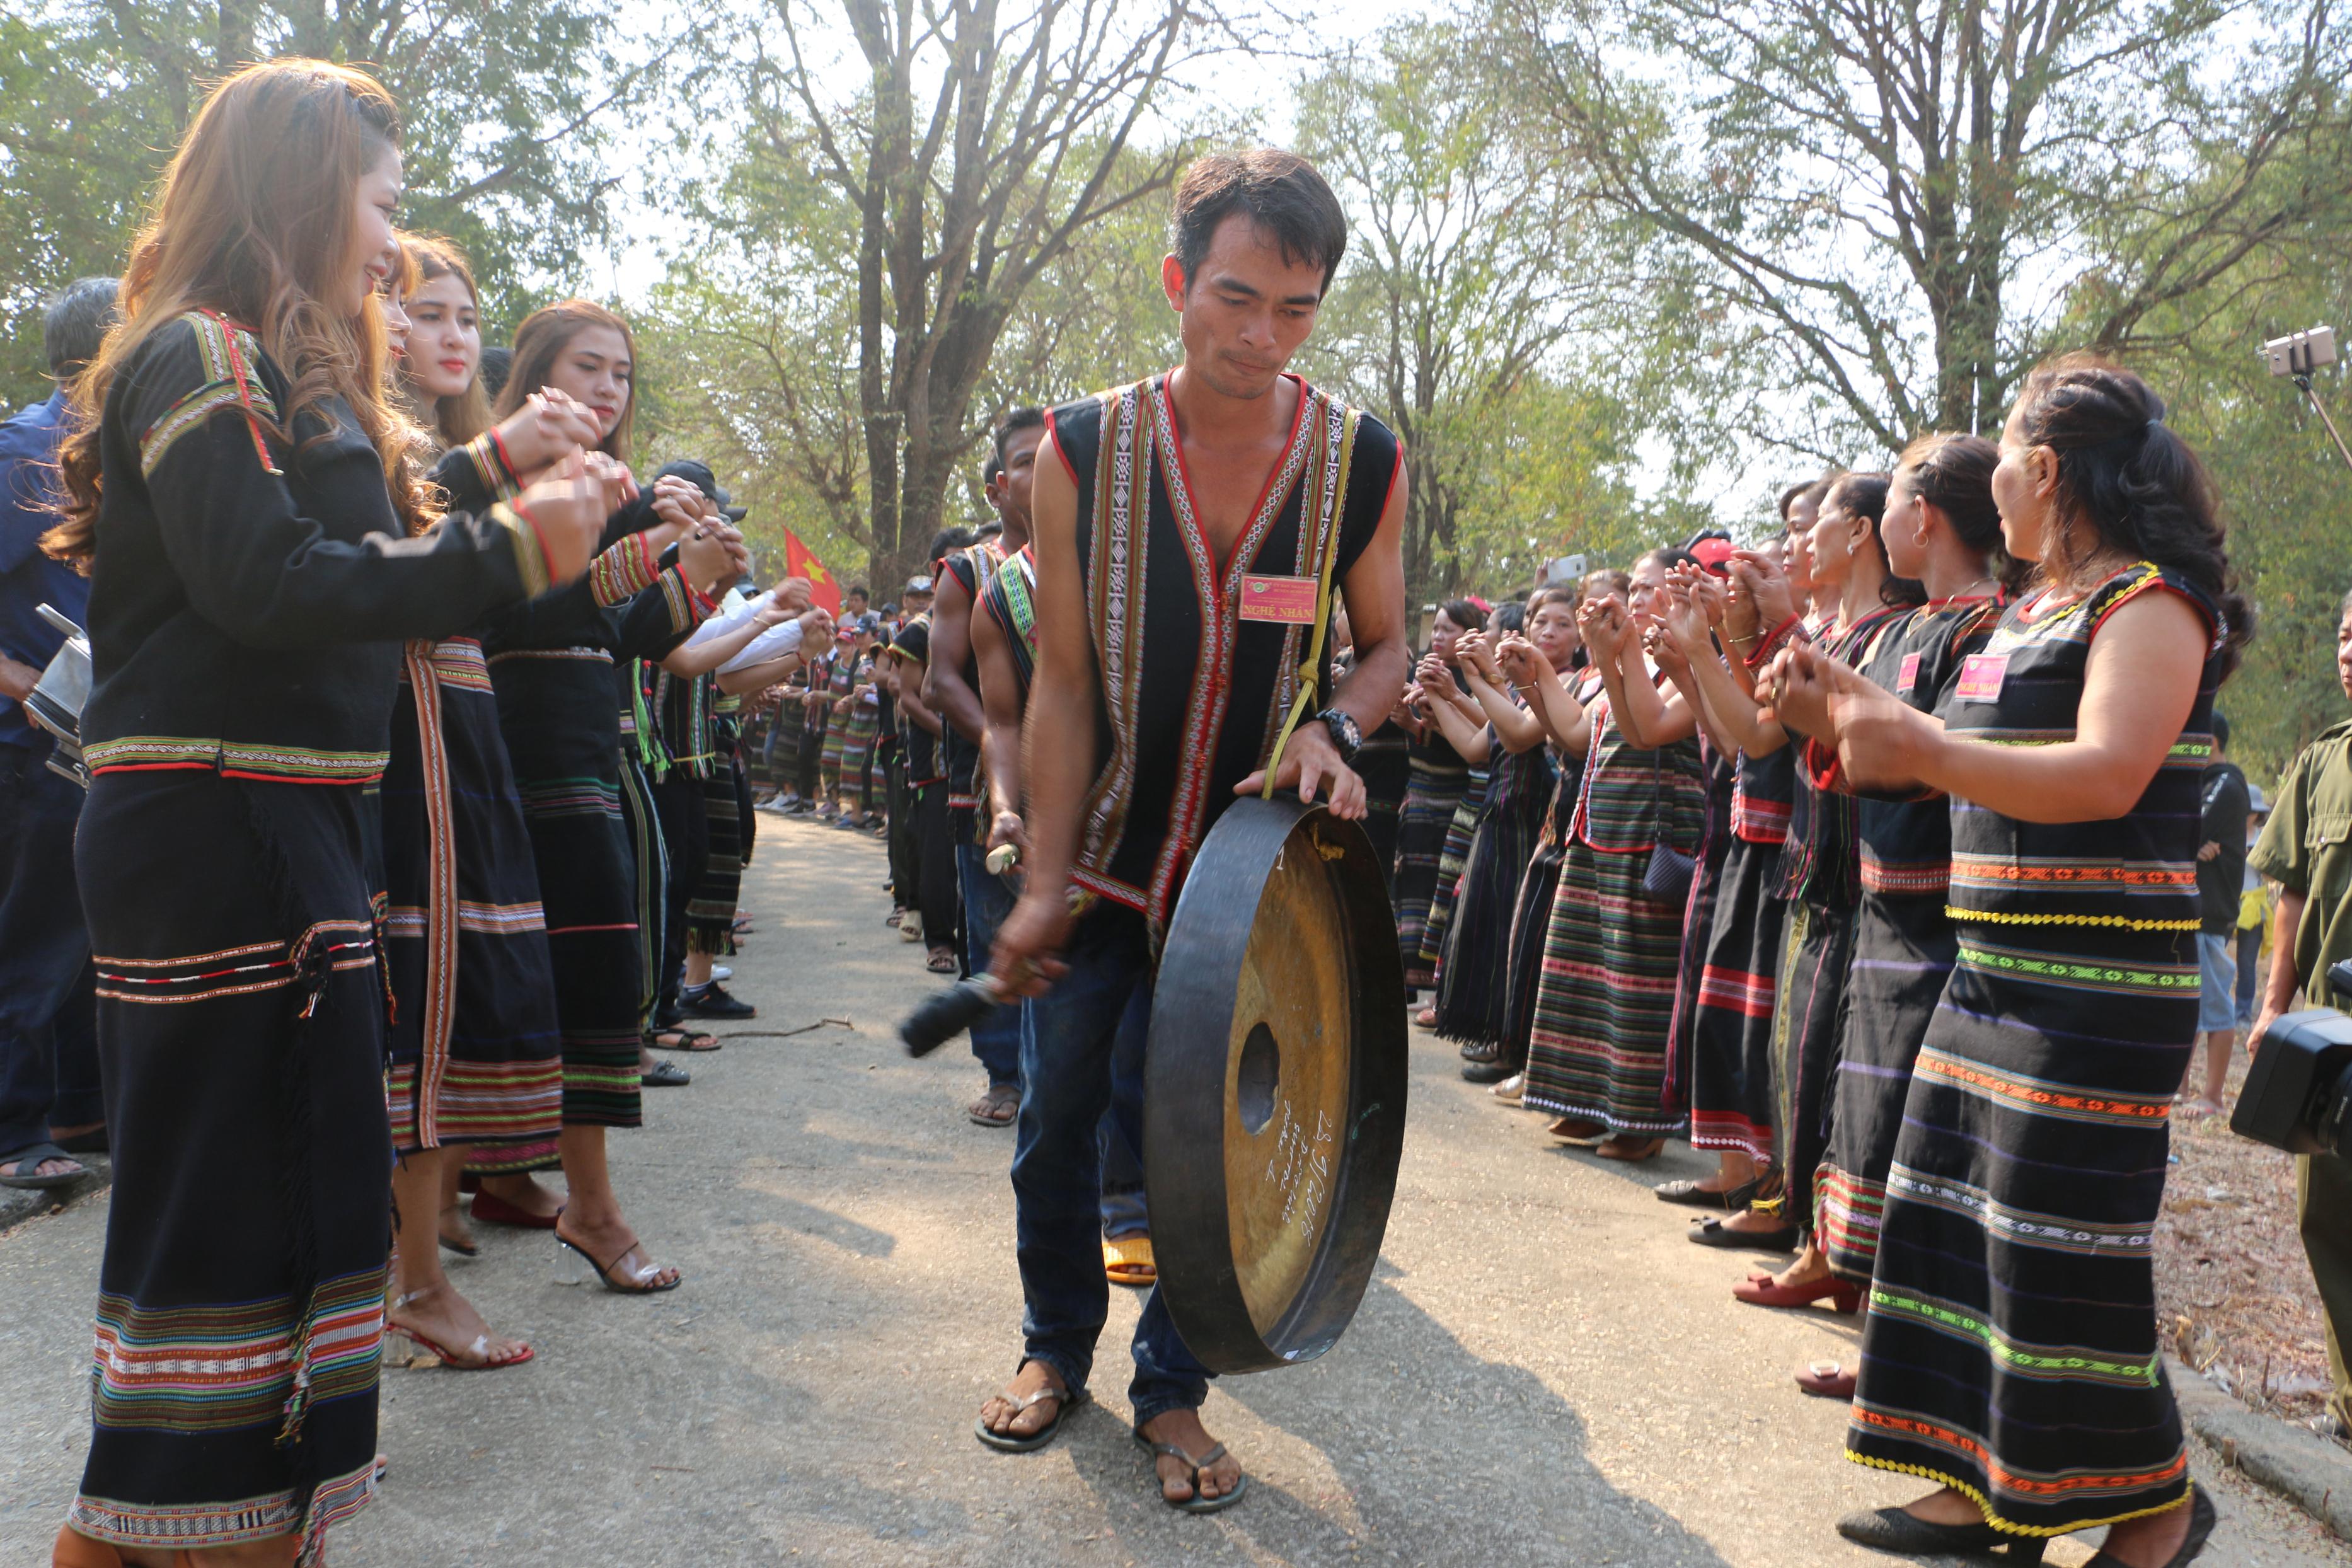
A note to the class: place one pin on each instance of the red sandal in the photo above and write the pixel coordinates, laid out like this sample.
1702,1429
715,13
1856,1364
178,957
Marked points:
1844,1295
491,1209
1828,1379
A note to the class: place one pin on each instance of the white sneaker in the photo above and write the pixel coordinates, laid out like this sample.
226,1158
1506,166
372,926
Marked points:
722,972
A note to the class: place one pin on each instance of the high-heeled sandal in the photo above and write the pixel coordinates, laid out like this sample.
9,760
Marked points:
603,1271
480,1351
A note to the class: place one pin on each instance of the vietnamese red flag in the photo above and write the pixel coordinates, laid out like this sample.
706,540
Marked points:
800,561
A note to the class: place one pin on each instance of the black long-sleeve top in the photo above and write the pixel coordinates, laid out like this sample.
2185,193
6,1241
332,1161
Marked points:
629,604
250,595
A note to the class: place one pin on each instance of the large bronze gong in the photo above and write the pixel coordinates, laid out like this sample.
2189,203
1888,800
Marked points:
1274,1086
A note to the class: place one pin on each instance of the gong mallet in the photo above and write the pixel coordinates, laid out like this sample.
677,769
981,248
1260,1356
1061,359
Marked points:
949,1012
946,1013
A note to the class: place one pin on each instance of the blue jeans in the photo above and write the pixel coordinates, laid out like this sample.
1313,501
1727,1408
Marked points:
2250,952
987,900
1070,1036
1120,1138
48,1046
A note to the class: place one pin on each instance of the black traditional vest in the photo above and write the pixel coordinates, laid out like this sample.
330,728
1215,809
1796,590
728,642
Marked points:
1195,676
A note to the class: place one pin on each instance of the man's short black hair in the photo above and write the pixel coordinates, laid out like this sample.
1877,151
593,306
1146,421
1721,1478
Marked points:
1015,420
498,361
947,541
75,323
2220,732
1282,194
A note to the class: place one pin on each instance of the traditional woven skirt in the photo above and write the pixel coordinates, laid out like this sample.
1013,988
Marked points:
476,1056
1451,861
556,709
2011,1350
1598,1049
1698,920
240,1031
1474,979
1902,953
1805,1025
1385,764
711,908
1430,798
649,878
1531,914
1731,1033
847,747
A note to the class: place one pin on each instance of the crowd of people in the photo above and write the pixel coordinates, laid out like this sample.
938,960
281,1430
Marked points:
1893,857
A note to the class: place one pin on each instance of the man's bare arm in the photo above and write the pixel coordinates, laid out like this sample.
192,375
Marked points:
945,690
1058,756
1000,748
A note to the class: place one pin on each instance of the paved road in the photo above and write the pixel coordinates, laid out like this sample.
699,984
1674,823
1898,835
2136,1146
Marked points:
1544,1371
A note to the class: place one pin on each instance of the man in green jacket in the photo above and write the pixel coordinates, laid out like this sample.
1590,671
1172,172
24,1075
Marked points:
2307,849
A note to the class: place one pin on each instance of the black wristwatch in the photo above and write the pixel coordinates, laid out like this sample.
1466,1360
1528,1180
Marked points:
1346,739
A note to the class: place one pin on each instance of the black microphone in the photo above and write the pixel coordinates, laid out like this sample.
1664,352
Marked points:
946,1013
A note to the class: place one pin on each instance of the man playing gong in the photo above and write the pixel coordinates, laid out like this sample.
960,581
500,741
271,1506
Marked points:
1184,526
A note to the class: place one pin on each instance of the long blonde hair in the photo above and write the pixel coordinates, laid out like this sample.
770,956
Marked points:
254,219
455,420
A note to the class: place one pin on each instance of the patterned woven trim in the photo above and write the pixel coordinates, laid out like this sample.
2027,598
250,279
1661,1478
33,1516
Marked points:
2016,1227
529,549
226,1368
2017,917
227,351
481,1101
2090,976
1905,879
1735,991
488,458
235,971
179,419
623,571
407,921
2041,1096
457,662
1898,1426
2060,1363
441,882
686,607
293,764
545,798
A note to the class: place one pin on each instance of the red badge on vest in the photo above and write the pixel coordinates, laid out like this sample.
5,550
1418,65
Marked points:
1908,676
1982,675
1290,600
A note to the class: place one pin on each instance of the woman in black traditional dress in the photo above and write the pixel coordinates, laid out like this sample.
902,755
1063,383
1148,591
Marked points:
1473,990
1438,781
1819,870
2012,1351
1554,654
244,494
554,672
1739,965
1941,531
